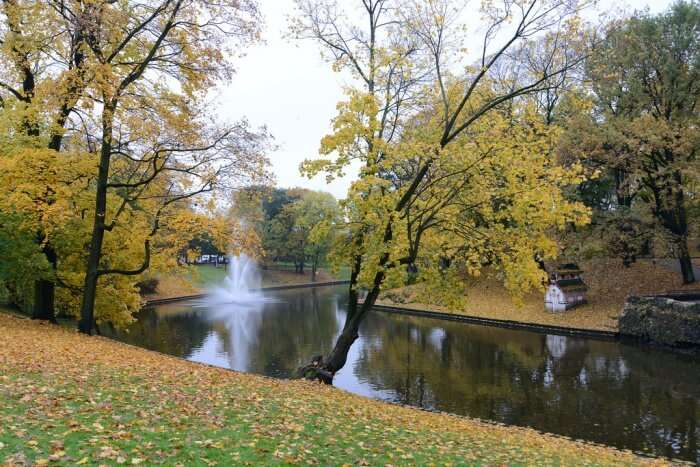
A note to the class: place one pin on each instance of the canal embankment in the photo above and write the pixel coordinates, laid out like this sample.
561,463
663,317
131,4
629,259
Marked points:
270,288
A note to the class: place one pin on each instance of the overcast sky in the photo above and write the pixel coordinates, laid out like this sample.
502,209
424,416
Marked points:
285,85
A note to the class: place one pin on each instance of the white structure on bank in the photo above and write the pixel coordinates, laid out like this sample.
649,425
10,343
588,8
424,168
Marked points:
566,289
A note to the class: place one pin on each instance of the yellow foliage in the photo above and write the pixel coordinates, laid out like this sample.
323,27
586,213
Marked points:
54,195
493,196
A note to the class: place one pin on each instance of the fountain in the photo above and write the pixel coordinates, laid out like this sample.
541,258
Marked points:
237,303
241,285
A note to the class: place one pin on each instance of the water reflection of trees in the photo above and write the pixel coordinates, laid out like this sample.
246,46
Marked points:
281,336
617,394
625,395
171,329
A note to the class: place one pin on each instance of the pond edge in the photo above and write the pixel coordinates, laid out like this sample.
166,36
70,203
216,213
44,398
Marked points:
182,298
501,323
484,421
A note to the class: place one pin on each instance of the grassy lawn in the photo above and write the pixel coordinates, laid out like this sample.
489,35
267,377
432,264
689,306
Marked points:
72,399
207,275
609,282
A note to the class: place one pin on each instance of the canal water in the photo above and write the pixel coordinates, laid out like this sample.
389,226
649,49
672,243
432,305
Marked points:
625,395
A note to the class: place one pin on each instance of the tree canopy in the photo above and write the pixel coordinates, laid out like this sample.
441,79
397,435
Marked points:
640,129
109,154
457,167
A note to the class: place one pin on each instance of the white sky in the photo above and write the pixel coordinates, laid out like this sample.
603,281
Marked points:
285,85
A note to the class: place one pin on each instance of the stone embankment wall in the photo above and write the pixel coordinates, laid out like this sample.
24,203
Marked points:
662,319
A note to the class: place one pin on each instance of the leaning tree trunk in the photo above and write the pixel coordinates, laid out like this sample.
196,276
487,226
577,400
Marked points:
356,311
339,356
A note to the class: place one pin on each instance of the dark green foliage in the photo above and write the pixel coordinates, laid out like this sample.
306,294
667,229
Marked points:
628,237
148,286
641,135
204,243
21,262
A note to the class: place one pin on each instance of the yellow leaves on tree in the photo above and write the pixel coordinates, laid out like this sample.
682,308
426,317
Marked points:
54,195
493,196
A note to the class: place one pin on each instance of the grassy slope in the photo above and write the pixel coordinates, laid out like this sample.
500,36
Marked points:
609,285
71,399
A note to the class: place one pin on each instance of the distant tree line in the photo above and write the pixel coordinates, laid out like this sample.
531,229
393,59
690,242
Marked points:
636,132
295,225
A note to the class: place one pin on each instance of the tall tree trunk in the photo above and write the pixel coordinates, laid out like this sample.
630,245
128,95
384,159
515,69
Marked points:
87,308
44,291
670,210
314,266
684,258
679,222
685,261
44,300
43,307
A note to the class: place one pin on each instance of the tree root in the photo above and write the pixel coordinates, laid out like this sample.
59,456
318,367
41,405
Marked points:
315,371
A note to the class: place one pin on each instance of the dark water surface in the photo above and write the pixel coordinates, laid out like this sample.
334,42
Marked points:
624,395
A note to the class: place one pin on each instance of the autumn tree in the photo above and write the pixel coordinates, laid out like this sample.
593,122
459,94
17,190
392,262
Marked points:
431,182
43,78
262,209
642,128
318,218
155,141
304,229
103,119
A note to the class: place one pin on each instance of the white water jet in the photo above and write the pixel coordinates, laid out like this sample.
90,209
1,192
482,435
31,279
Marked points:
241,284
237,303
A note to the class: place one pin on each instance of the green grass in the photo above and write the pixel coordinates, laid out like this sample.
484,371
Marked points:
208,274
72,399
